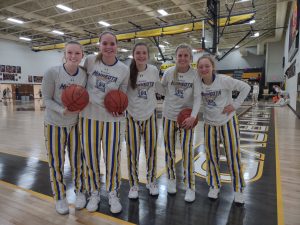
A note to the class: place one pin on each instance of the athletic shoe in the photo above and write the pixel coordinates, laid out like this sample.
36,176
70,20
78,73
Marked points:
62,206
213,193
189,195
80,200
172,186
239,198
94,200
133,192
114,202
153,189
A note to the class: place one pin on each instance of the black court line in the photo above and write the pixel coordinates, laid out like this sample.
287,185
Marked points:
260,196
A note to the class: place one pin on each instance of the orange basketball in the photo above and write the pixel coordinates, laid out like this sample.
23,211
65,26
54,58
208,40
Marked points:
116,101
185,113
75,97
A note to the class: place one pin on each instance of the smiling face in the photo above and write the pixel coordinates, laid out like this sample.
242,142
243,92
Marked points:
205,68
183,58
108,46
73,54
140,55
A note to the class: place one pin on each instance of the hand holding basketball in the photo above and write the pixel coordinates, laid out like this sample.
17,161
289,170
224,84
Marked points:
185,120
116,102
75,98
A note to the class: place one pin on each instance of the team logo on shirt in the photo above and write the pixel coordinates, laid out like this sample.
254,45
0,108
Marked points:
143,89
102,80
180,88
210,97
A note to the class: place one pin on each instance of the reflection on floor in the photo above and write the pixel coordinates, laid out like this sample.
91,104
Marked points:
22,162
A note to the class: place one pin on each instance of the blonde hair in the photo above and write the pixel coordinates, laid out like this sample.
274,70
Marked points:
99,56
182,46
210,58
71,43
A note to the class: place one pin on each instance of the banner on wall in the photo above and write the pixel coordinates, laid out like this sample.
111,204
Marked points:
9,73
294,30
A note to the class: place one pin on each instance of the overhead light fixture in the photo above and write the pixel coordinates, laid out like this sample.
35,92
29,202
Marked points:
64,8
25,38
252,21
95,53
15,20
237,46
166,42
130,57
239,1
186,28
140,38
162,12
256,34
194,50
161,46
104,23
58,32
124,50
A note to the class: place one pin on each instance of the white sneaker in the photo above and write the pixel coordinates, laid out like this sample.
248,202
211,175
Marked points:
80,200
94,200
213,193
153,189
62,206
133,192
172,186
114,202
239,198
189,195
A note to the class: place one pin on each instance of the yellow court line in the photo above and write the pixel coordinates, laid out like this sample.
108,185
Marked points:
50,199
280,216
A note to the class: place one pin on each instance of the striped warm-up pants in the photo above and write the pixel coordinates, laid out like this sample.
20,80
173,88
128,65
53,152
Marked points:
134,131
93,132
186,141
57,139
229,134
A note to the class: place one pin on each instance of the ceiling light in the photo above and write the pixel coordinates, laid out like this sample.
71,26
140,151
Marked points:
124,50
186,28
64,8
140,38
130,56
95,53
237,46
256,34
104,23
166,42
15,20
162,12
25,38
161,46
252,21
243,1
194,50
58,32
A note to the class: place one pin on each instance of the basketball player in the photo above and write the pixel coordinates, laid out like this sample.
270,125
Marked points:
182,91
105,73
141,119
221,123
61,127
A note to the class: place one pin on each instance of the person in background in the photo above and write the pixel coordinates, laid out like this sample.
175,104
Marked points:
182,91
61,128
98,126
255,94
221,124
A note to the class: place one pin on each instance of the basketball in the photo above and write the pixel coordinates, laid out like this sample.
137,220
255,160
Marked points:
185,113
116,101
75,97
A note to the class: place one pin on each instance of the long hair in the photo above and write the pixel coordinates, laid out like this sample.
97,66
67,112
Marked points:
182,46
133,68
210,58
99,56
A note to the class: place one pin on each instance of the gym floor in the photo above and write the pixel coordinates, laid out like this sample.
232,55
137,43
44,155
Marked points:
268,136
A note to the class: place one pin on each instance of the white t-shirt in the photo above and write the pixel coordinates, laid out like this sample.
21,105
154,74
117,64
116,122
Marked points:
142,99
218,95
101,79
181,94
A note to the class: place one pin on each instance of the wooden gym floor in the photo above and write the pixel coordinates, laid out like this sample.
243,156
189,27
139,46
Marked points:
269,136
